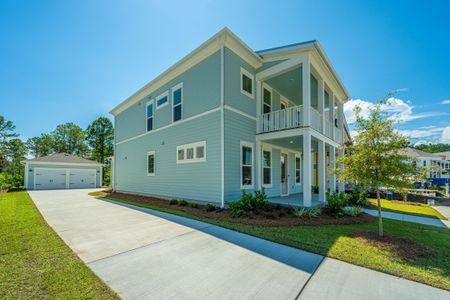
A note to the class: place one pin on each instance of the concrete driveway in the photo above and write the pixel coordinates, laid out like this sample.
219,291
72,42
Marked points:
144,254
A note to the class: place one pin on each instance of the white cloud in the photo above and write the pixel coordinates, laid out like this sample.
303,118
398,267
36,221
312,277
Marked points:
445,138
397,109
445,102
422,133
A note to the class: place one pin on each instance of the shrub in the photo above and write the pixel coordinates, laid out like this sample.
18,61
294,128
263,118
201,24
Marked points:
4,185
358,197
353,211
336,204
307,212
193,205
173,202
210,207
248,202
183,203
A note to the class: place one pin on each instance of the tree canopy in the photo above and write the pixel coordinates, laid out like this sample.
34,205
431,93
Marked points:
39,146
69,138
100,136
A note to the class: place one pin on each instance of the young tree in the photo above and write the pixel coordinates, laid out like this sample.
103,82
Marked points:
6,132
374,160
100,136
40,145
69,138
15,152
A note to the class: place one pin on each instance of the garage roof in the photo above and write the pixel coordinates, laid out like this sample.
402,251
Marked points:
62,158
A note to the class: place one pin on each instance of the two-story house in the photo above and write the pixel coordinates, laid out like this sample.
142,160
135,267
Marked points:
226,118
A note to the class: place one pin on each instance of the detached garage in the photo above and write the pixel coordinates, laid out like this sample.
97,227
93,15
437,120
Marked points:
62,171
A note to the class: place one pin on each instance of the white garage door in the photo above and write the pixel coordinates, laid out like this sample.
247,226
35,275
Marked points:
79,179
47,179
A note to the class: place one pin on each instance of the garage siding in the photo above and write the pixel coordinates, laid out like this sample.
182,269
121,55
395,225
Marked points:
32,166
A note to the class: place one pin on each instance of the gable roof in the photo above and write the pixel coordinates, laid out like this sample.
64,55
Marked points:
62,158
412,152
445,155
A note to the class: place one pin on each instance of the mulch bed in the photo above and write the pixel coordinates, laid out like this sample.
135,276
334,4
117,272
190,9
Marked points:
402,247
273,216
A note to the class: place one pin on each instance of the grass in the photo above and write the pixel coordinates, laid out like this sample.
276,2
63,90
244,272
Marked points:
35,263
337,241
415,209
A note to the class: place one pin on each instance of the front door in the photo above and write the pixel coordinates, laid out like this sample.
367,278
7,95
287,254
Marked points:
284,174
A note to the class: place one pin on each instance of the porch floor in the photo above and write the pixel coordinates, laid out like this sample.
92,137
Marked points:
295,200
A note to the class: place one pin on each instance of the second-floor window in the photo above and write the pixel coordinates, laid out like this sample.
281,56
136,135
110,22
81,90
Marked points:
267,101
247,83
162,100
177,102
150,115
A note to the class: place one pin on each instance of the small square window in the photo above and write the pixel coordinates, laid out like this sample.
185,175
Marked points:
181,154
162,100
200,152
190,153
151,163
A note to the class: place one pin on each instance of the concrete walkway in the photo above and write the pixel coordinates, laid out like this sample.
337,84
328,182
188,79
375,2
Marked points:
409,218
146,254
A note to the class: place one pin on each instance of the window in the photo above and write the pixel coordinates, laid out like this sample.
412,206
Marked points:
267,101
150,115
177,102
151,163
247,83
246,165
162,100
424,163
298,174
267,168
191,153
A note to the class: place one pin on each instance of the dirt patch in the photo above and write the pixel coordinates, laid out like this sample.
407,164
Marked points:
400,246
273,216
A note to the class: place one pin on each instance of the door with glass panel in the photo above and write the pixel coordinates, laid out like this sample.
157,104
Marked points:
284,173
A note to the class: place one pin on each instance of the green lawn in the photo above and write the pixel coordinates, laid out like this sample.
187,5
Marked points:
337,241
419,209
35,263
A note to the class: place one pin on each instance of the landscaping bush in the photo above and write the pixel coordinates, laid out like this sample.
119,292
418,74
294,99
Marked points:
173,202
4,185
353,211
307,212
248,202
358,197
193,205
183,203
336,204
210,207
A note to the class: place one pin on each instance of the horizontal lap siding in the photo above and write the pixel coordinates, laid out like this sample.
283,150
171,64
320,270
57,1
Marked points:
237,128
32,166
196,181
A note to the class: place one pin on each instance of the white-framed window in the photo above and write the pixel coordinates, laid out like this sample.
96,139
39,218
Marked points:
177,102
247,83
247,159
298,171
267,100
151,162
267,167
162,100
150,114
191,153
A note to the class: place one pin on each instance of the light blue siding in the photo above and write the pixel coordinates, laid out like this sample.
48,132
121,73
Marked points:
32,166
196,181
233,95
201,92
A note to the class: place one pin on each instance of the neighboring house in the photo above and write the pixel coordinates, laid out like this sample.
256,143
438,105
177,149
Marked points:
434,162
61,171
226,119
445,163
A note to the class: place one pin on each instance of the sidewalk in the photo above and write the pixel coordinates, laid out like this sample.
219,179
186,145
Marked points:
409,218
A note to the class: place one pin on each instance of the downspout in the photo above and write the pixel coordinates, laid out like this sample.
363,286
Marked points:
222,125
113,169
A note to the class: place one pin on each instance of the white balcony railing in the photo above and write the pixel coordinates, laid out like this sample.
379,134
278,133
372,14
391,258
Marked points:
290,117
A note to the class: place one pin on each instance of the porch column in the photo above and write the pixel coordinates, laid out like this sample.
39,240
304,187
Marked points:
332,114
258,166
258,105
307,169
321,170
321,103
340,116
341,185
306,93
332,166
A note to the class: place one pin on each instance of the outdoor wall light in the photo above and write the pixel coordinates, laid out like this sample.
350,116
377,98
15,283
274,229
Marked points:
30,170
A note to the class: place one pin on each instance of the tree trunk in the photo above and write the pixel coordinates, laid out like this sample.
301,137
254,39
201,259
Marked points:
380,220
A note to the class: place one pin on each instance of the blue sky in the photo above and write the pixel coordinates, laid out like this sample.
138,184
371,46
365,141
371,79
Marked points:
73,61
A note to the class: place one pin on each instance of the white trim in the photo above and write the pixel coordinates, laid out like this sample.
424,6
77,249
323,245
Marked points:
222,127
67,172
284,100
170,125
299,156
150,102
249,145
165,94
154,163
267,148
174,89
287,173
61,163
194,158
280,148
25,179
252,78
230,108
